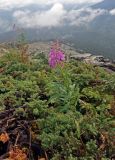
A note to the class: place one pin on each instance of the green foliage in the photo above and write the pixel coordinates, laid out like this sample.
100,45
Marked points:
71,105
63,93
22,39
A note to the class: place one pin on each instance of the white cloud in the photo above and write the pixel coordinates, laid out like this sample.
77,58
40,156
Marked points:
84,16
55,15
112,12
49,18
10,4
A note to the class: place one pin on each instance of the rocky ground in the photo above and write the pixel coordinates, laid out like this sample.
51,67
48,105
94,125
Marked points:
71,53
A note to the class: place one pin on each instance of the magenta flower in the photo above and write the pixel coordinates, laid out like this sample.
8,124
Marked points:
56,56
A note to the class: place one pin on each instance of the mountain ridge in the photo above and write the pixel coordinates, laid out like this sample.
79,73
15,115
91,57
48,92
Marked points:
105,4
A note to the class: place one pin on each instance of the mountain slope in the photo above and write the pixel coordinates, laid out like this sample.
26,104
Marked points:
95,36
106,4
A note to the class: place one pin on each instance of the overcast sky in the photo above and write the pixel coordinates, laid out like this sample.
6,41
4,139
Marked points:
19,12
9,4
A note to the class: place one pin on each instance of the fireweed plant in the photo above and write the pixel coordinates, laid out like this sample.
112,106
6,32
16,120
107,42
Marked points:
56,55
70,110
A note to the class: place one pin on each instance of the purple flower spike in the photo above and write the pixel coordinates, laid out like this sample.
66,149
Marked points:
56,56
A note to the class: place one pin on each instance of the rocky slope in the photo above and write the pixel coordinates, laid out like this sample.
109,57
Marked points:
71,53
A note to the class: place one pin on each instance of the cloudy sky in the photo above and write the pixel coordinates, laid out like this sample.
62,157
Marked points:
47,13
9,4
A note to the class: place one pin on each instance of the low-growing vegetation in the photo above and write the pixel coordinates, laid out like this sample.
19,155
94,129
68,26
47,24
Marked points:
61,113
